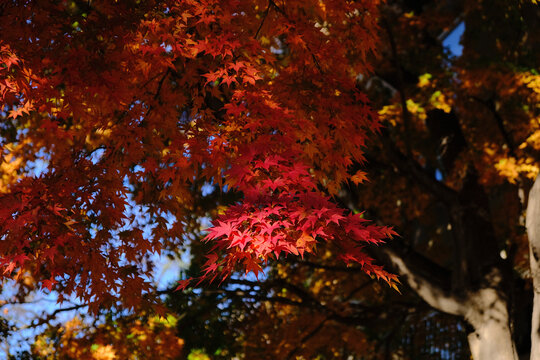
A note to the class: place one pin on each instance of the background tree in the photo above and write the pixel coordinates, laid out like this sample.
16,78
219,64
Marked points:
452,171
475,139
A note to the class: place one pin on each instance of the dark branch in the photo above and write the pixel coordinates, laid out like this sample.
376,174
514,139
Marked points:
412,169
306,338
52,315
263,19
313,56
400,87
490,105
348,269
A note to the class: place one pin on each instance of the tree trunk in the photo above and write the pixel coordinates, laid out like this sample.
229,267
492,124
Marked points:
485,309
492,339
533,232
535,330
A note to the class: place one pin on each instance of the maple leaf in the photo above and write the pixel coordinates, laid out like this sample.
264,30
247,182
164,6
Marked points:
48,284
183,284
237,66
10,267
16,112
268,228
56,209
227,79
20,258
359,177
235,109
206,19
222,229
334,218
212,77
50,253
253,266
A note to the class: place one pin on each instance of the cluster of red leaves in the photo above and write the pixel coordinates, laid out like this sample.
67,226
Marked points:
133,101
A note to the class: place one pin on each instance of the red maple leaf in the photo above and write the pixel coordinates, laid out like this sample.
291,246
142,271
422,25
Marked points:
48,284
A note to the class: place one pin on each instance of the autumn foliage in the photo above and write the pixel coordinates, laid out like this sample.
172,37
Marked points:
116,113
130,338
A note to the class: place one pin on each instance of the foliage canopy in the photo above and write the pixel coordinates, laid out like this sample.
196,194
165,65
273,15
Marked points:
131,106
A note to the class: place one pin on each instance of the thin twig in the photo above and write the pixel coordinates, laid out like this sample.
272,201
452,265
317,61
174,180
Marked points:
306,338
263,19
313,56
52,316
490,105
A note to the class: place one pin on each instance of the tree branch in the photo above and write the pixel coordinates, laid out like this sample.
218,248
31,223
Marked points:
400,87
313,56
306,338
412,169
263,19
490,105
425,281
348,269
52,315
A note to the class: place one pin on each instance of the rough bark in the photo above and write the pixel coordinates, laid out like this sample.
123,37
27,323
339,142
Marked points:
533,232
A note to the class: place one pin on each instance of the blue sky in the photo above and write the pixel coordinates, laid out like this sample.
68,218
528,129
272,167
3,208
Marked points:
452,41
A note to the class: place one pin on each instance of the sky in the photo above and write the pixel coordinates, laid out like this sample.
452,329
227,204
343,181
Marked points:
452,41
